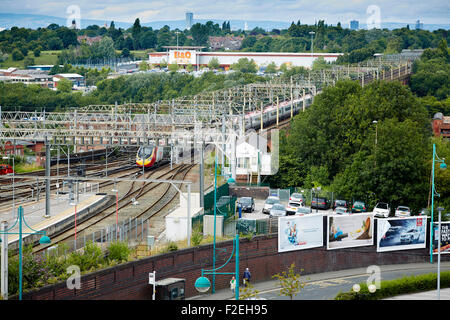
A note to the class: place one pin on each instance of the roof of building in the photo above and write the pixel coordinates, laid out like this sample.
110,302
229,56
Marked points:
69,75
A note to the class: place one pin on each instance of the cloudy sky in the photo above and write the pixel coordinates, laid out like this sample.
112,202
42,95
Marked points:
307,11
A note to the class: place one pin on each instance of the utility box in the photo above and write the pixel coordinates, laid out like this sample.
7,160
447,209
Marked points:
170,289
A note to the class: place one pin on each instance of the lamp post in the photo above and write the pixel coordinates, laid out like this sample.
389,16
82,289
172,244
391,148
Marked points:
202,284
433,193
43,240
439,255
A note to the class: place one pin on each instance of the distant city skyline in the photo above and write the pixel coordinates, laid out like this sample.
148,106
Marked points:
307,11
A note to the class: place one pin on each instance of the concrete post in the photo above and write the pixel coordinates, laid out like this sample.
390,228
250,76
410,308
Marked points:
278,107
202,174
4,261
233,156
304,100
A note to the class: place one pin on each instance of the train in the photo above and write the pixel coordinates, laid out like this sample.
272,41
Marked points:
149,156
153,156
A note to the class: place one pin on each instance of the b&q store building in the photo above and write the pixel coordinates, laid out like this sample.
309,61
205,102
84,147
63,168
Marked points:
192,55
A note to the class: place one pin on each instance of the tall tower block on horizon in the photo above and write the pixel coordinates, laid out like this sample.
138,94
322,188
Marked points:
189,20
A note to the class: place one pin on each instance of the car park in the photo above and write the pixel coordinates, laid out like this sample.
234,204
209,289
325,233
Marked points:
292,207
410,236
358,207
303,210
297,197
339,203
381,210
270,201
402,211
278,210
247,204
341,210
320,203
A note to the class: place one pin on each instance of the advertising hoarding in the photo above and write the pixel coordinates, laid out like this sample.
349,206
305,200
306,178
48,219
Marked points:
300,232
401,233
349,231
182,57
445,237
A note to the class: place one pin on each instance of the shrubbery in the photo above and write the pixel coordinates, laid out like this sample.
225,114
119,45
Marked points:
405,285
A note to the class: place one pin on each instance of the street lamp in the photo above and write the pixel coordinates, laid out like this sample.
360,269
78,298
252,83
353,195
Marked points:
5,231
202,284
440,209
433,193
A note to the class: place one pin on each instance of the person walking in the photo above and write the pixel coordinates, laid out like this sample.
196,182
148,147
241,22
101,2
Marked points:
246,277
233,284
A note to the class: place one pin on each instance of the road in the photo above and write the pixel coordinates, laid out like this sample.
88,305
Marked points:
325,286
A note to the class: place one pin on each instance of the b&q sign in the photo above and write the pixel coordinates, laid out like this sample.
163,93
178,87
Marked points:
182,56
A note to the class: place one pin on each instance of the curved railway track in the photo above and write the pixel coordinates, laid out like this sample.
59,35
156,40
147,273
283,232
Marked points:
108,214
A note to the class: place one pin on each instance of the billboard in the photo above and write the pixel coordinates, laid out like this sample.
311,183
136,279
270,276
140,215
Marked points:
347,231
300,232
445,237
182,57
401,233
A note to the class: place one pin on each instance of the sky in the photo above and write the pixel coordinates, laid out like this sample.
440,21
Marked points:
307,11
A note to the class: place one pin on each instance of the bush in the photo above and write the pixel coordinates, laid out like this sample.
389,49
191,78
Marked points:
390,288
91,257
17,55
118,251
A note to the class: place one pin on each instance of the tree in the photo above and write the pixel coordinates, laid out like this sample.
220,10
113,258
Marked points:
173,67
290,282
248,292
104,49
64,85
214,64
271,68
17,55
199,34
136,29
143,66
245,66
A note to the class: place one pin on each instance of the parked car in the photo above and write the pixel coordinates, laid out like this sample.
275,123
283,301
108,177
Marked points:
303,210
270,201
358,207
297,197
339,203
247,204
424,212
410,236
292,207
278,210
341,210
320,203
402,211
381,210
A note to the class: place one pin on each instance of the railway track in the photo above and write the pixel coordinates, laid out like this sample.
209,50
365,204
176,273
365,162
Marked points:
108,214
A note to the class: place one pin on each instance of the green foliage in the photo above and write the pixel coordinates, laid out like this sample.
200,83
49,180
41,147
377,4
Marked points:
17,55
405,285
213,64
89,258
64,85
290,282
245,65
271,68
248,292
197,234
332,144
172,246
118,251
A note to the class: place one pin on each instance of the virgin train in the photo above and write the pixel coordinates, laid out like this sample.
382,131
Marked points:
153,156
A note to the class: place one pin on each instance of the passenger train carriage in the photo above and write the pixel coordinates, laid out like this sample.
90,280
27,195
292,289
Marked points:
150,155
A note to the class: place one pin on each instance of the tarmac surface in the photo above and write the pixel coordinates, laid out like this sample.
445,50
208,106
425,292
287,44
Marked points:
325,286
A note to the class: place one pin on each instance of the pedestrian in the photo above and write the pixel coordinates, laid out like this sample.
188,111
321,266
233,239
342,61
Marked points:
233,284
246,277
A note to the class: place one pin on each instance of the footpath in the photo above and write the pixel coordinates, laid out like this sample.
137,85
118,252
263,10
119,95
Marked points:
361,273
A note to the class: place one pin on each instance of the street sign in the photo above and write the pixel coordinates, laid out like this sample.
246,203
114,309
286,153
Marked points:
151,278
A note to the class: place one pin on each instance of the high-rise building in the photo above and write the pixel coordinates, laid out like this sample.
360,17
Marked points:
419,25
354,25
189,19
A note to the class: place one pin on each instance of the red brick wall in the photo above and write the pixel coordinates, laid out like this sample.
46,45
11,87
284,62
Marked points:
130,281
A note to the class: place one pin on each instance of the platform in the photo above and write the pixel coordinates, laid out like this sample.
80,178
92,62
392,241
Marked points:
61,213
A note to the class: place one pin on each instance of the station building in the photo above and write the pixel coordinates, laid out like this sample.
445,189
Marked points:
193,55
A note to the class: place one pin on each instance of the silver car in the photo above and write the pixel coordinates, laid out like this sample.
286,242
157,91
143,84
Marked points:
270,201
278,210
402,211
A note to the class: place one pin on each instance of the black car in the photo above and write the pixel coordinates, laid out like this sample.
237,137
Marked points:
247,204
320,203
